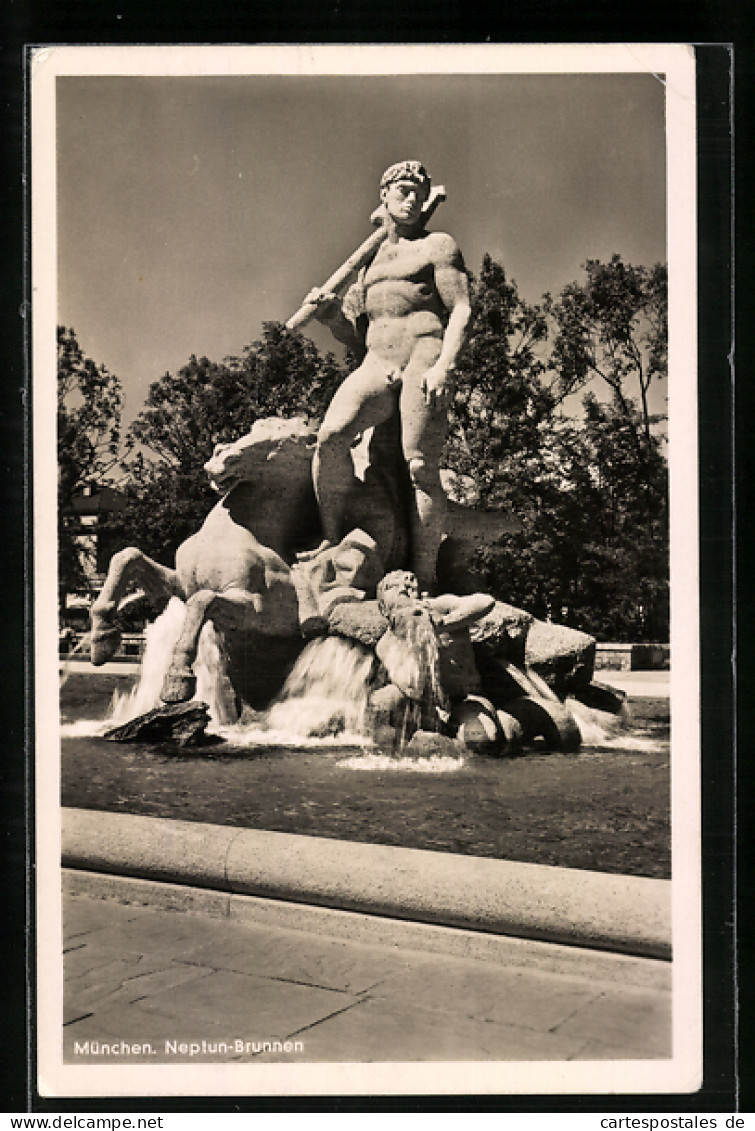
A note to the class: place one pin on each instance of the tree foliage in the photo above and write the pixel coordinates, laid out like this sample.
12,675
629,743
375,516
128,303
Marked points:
614,326
163,507
88,427
590,495
206,403
501,398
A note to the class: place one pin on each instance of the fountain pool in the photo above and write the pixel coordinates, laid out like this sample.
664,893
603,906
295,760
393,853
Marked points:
604,808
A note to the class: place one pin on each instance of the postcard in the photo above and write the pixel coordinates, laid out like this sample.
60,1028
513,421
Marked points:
367,694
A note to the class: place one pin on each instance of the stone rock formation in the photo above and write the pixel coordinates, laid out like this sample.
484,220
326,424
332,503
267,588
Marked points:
182,724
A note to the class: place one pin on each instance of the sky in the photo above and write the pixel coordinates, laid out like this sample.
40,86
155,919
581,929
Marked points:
191,209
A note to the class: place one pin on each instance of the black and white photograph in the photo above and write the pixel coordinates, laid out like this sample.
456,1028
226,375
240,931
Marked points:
367,693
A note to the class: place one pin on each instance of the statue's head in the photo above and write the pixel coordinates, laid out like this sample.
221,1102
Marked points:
404,188
400,587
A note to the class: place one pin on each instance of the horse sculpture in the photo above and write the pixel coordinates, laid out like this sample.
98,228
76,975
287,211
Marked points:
239,570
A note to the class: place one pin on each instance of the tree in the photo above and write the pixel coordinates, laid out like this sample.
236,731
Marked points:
505,431
614,326
626,568
590,496
163,507
592,549
89,412
501,398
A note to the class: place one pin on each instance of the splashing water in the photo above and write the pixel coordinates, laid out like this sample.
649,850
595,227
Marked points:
607,731
595,727
543,689
159,641
81,647
213,685
324,696
436,764
422,647
411,656
325,699
160,637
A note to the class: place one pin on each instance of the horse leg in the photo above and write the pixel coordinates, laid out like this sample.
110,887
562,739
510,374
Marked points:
180,683
233,609
128,568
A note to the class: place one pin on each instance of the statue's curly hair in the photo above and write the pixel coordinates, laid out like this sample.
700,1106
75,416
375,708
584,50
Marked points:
405,170
386,583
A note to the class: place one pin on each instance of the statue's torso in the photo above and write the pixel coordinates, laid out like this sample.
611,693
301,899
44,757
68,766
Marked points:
400,299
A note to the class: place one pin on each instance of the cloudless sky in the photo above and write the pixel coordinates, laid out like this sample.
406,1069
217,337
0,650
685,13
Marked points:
192,209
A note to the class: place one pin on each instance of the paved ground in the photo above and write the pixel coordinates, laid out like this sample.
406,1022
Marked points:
343,987
638,685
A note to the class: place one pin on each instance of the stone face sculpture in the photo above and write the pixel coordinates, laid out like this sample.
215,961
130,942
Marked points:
438,674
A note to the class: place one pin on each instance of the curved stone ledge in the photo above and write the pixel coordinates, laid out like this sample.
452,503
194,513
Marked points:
629,914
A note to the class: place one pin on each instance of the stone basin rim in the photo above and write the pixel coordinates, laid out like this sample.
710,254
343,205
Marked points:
606,911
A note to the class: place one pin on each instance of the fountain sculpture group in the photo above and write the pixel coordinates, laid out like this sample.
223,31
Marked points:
367,491
461,664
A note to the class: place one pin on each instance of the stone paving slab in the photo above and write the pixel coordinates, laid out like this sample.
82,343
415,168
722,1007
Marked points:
170,935
530,1000
86,958
628,1017
137,1028
379,1030
131,982
183,977
599,1050
80,919
73,1012
329,963
250,1007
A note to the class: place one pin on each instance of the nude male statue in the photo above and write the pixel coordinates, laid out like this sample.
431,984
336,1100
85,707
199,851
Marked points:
415,308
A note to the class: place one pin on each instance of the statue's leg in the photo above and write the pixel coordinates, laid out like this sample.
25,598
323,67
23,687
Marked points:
423,434
366,398
128,568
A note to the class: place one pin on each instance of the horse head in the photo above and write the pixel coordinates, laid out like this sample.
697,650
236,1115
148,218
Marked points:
275,449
